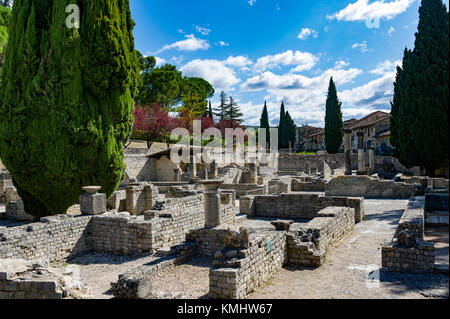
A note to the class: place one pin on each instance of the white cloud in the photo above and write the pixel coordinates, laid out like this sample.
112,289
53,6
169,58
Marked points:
223,44
361,46
215,72
362,10
302,60
391,30
238,61
341,64
386,67
160,61
306,32
251,2
190,44
180,31
202,31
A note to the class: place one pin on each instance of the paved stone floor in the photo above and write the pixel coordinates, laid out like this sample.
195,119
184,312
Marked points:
346,271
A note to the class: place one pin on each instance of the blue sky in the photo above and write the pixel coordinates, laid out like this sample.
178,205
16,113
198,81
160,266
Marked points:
283,50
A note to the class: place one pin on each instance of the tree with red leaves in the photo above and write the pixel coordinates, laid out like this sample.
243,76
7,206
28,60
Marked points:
154,123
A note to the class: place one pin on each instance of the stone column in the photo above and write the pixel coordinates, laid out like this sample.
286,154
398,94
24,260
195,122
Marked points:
361,164
371,160
177,176
348,151
214,170
290,147
205,170
148,193
308,168
212,202
92,203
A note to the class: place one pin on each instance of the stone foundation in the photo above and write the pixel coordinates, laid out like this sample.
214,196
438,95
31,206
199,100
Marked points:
370,187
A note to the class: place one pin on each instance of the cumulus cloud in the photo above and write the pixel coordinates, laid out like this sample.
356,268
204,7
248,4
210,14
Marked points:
386,67
191,43
223,44
238,61
215,72
160,61
362,10
251,2
341,64
306,32
303,61
361,46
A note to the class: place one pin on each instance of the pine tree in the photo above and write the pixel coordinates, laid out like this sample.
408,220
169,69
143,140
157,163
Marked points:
419,119
264,124
67,100
333,120
222,109
233,113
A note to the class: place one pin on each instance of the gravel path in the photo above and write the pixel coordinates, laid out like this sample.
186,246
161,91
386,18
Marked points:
98,271
345,272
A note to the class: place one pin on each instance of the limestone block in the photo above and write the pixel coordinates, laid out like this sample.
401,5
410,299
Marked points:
93,204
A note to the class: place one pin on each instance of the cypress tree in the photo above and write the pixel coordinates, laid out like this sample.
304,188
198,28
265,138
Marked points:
67,100
283,129
264,123
419,121
210,111
291,128
333,120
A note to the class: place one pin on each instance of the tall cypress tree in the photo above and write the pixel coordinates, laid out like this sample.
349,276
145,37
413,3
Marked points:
210,111
291,130
67,100
283,129
419,121
333,120
264,123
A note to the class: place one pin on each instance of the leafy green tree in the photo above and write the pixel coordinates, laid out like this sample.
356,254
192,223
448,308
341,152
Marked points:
146,66
333,120
419,117
163,85
210,111
6,3
67,100
194,95
264,123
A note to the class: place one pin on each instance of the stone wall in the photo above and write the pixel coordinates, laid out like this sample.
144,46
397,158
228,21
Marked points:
16,211
408,252
54,238
138,165
370,187
302,206
245,189
311,186
140,197
417,259
264,255
30,289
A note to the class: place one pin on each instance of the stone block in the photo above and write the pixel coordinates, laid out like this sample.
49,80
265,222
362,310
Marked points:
93,204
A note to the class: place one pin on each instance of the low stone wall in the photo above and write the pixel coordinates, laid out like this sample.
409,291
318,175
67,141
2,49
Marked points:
408,252
140,198
264,256
417,259
54,238
16,211
301,206
245,189
311,186
30,289
118,200
413,217
370,187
